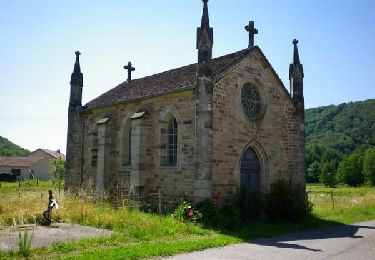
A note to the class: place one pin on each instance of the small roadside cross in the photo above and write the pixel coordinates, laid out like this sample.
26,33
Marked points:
252,31
130,69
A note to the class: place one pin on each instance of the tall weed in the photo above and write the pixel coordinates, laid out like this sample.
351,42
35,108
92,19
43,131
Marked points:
24,243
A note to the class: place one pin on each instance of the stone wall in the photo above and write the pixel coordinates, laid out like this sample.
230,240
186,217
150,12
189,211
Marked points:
277,137
145,169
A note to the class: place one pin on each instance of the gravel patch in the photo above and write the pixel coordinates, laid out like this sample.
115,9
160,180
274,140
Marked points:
47,235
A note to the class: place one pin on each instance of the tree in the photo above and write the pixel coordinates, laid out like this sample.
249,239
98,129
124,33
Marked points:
350,170
328,173
313,173
369,166
57,169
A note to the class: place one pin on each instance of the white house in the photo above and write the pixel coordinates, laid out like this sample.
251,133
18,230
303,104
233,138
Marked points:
36,165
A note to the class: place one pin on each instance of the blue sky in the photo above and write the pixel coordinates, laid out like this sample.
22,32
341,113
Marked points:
39,38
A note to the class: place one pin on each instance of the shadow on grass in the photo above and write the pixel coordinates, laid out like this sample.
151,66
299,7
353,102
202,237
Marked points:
288,235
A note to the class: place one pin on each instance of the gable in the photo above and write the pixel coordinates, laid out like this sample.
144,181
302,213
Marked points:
256,51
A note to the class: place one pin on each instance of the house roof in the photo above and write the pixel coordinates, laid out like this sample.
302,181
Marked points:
162,83
55,154
172,80
19,161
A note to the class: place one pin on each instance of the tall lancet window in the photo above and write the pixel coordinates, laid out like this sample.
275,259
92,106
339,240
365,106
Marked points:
126,144
169,156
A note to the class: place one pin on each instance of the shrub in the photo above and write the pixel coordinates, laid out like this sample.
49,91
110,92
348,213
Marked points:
181,213
208,212
287,201
229,217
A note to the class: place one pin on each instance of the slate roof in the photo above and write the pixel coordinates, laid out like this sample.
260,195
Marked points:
19,161
55,154
161,83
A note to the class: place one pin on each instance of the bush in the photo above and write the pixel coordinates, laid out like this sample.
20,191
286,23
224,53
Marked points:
208,212
287,201
230,217
181,213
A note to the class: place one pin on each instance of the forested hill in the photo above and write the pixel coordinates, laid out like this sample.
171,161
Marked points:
7,148
345,127
334,132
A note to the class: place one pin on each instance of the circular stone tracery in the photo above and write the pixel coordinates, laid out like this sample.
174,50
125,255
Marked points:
251,101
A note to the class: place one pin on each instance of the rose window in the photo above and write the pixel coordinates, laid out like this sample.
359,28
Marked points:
251,101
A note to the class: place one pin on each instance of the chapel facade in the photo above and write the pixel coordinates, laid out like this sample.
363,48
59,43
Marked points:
209,130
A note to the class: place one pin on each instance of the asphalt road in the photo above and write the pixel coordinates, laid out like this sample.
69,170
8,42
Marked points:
355,241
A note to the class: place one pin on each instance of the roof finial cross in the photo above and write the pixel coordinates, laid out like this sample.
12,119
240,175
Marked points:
252,31
130,69
77,68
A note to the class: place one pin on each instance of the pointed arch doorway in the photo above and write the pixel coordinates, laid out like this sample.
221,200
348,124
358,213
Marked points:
249,181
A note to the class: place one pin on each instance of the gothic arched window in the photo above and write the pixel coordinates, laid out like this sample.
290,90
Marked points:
126,144
169,135
172,142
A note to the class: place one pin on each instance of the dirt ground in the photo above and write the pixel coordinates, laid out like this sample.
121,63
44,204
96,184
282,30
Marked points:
47,235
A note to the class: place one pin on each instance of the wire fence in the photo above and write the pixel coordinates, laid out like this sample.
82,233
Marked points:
119,195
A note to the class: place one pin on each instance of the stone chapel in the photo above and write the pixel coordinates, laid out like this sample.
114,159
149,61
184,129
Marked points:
208,130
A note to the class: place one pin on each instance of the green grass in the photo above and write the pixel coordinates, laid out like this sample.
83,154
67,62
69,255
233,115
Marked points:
140,235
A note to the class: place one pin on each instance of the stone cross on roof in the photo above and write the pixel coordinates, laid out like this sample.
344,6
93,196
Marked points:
130,69
77,68
252,31
295,52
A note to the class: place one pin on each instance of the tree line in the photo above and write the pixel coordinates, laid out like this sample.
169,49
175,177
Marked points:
340,143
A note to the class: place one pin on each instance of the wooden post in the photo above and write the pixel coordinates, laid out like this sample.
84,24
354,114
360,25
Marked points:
19,184
37,182
333,201
159,204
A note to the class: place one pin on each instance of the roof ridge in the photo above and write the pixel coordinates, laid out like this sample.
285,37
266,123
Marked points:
185,66
163,82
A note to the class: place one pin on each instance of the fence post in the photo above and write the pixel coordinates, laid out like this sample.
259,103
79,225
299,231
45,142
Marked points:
19,184
333,201
37,182
159,200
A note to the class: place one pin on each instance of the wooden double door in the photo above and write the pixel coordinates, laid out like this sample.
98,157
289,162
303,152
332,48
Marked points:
250,181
